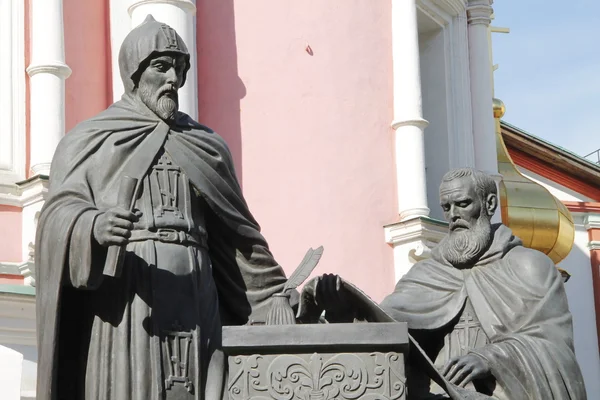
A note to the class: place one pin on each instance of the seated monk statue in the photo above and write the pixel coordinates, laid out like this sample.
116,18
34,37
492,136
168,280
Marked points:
489,314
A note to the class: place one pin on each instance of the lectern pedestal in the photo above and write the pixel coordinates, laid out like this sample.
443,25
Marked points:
317,362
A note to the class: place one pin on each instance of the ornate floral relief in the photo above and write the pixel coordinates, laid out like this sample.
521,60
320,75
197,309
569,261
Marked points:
345,376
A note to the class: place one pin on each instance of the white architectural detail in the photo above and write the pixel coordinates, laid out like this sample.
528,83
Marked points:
179,15
120,25
12,93
479,13
408,120
17,319
23,194
47,73
412,241
11,366
592,221
460,116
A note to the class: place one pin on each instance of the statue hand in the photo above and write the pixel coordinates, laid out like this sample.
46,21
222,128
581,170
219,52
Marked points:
114,226
329,293
462,370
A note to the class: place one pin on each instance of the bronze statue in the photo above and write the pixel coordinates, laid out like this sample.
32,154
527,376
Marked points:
489,318
145,244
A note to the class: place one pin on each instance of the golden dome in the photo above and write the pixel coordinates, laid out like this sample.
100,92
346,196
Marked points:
541,220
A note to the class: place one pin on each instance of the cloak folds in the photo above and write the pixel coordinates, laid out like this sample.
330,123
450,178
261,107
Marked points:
519,298
85,176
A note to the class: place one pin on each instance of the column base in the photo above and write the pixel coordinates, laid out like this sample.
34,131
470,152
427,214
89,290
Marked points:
413,240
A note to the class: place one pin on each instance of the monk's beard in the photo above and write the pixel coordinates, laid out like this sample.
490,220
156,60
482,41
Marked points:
463,248
163,102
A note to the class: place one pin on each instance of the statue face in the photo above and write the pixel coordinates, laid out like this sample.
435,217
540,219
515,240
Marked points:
159,83
469,222
460,202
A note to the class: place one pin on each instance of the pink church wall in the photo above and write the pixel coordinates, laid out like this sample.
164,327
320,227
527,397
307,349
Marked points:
309,130
87,53
10,234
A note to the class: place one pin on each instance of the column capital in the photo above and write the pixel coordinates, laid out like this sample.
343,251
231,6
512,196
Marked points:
479,12
57,68
187,5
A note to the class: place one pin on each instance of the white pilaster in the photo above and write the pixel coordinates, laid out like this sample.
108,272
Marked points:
479,13
179,15
47,73
408,120
12,94
459,100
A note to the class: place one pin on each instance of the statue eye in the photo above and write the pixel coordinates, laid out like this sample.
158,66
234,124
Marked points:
446,207
464,203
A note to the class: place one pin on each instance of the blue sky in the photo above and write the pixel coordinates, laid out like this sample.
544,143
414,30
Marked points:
549,75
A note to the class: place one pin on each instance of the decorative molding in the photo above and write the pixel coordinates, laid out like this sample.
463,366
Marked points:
582,207
416,229
592,221
418,122
479,12
13,114
25,269
441,11
186,5
56,68
22,194
548,171
594,245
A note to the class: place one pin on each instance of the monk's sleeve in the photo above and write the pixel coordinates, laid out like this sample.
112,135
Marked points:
531,353
65,229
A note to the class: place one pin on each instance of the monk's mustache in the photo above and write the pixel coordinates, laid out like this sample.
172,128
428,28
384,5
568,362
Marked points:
168,90
459,224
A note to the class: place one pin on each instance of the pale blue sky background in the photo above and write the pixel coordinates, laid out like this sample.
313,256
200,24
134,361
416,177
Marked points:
549,75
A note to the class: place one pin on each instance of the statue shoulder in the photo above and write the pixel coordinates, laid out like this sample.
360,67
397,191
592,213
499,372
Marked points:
531,265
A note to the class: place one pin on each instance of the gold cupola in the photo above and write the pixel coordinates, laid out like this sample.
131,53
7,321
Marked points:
541,220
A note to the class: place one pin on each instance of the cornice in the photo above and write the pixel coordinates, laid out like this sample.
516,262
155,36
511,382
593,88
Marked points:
592,221
57,68
442,11
22,194
422,229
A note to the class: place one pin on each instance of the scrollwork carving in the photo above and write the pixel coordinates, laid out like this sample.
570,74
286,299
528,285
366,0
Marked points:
344,376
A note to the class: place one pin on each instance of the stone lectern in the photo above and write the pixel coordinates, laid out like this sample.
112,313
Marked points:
317,361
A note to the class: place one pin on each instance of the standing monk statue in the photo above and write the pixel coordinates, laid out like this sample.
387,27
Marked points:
193,258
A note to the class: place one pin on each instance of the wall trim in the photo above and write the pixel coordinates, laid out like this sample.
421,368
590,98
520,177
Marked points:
24,193
549,172
582,206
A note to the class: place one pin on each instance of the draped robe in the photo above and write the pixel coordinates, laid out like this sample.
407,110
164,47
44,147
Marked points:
520,302
85,175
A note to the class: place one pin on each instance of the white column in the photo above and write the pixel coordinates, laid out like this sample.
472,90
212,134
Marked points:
179,15
479,14
47,73
120,25
408,120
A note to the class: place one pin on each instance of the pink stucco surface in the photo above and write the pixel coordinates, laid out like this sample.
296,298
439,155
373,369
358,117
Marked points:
10,234
309,128
87,42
